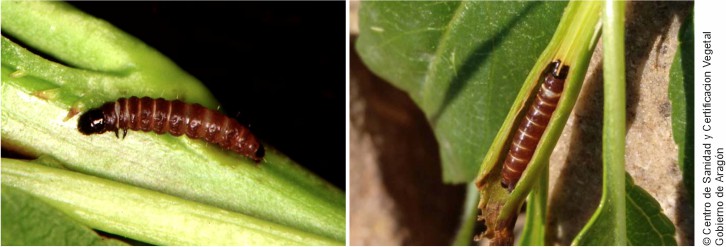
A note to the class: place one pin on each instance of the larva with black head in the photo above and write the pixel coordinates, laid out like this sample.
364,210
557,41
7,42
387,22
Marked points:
176,118
531,127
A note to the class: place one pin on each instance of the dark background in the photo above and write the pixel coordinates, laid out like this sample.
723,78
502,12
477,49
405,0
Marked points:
278,67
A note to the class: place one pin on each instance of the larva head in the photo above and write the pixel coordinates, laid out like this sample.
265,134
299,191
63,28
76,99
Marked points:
260,153
91,122
509,185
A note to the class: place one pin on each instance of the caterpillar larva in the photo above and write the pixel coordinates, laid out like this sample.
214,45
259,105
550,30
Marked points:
174,117
533,124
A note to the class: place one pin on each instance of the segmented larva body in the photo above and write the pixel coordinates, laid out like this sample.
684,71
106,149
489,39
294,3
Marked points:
174,117
533,124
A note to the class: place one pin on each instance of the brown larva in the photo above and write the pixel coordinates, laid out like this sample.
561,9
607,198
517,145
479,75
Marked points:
533,124
174,117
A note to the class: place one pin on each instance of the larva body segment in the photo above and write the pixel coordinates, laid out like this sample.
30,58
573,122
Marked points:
533,124
173,117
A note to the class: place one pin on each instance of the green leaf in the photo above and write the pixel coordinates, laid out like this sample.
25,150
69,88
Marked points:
29,221
146,215
645,221
107,63
41,99
461,62
680,93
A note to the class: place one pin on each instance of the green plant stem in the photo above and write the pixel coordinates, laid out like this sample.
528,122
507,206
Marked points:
147,215
276,190
614,114
28,221
534,228
465,233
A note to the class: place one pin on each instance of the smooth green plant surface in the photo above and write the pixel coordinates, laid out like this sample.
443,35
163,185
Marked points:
463,64
100,63
534,233
158,218
29,221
